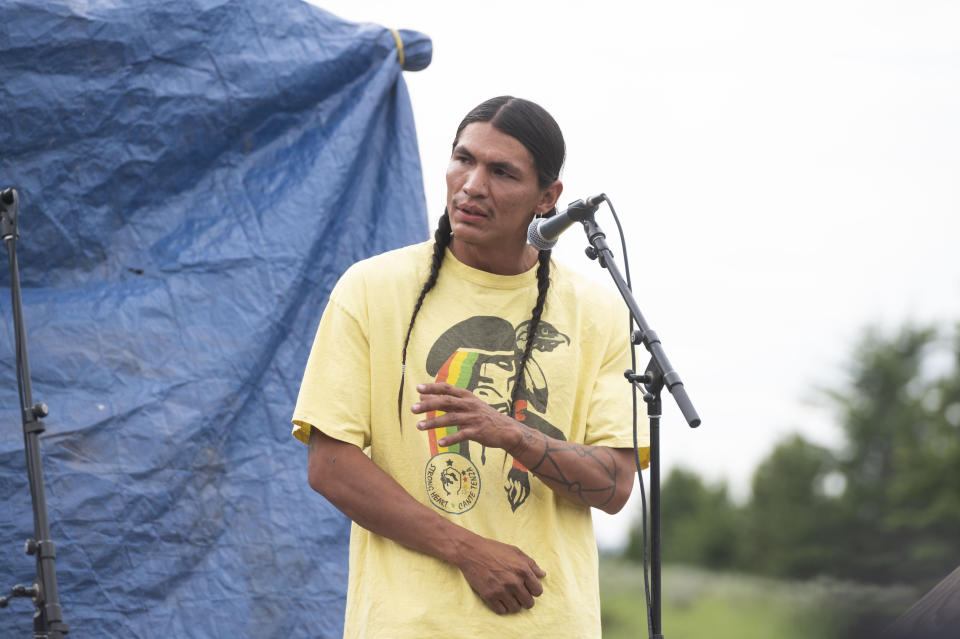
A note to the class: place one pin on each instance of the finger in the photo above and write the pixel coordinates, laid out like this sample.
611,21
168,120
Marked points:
537,570
532,579
511,604
533,585
442,388
498,607
453,438
443,403
449,439
439,421
524,597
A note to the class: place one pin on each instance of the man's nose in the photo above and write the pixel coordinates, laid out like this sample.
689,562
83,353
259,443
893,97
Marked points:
476,183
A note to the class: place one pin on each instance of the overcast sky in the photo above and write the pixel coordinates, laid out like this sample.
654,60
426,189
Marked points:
788,174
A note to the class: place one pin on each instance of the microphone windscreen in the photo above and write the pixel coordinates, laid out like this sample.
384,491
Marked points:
536,240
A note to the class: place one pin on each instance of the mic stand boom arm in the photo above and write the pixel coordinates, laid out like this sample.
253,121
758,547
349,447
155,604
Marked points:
647,337
659,373
48,619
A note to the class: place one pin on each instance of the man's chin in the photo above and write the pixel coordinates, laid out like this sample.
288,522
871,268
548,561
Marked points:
467,234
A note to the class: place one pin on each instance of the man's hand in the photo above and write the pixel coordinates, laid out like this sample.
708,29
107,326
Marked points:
478,421
503,576
596,476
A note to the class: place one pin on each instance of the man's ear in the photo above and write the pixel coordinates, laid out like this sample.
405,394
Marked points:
549,197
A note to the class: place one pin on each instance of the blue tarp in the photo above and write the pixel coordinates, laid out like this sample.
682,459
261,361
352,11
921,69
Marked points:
194,176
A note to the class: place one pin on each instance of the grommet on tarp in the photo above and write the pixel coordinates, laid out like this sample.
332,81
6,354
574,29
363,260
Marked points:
414,49
396,36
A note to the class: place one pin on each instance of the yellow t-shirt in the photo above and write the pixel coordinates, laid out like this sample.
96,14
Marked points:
470,332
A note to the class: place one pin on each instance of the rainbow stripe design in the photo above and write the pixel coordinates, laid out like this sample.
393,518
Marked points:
456,371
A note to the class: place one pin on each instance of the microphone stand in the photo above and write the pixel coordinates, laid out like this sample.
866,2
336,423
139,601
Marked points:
48,617
659,373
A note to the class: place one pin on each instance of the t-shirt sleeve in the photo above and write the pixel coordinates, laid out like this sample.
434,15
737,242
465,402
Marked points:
335,392
610,420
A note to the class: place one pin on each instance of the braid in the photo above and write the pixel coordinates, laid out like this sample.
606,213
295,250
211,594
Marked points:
543,283
441,238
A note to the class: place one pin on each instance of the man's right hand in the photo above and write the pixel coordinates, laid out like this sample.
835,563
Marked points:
502,575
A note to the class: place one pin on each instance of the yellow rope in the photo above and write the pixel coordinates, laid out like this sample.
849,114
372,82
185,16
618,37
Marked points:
396,36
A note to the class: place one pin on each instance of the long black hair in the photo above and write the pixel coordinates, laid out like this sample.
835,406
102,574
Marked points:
533,127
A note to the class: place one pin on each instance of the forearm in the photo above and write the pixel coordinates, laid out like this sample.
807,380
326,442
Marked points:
595,476
366,494
504,577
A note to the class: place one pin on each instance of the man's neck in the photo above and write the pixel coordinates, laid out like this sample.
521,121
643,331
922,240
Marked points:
505,260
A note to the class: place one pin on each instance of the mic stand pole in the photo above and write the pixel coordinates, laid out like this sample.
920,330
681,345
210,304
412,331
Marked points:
48,617
659,373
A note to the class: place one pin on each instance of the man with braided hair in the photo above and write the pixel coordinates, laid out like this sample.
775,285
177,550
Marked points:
471,497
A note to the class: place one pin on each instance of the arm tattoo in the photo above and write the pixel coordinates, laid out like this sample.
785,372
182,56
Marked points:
591,458
530,436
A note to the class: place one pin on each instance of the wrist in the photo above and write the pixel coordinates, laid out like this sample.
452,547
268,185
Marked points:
458,542
519,440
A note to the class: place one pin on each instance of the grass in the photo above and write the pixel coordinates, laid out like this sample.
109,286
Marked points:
699,603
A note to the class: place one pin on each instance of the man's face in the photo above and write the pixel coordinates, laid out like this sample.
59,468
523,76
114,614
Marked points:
495,376
492,189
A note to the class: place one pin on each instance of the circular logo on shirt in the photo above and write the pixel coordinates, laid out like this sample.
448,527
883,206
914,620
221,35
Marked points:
453,483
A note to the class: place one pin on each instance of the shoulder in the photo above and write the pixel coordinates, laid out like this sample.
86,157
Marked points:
571,285
593,309
392,268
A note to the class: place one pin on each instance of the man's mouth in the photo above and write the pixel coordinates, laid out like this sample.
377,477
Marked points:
469,212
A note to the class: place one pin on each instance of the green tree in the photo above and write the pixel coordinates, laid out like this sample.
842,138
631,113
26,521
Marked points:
791,522
900,413
699,523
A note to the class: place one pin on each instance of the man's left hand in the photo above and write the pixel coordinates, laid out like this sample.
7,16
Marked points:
478,421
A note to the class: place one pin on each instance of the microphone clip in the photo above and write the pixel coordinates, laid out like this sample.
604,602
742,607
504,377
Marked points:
543,233
579,210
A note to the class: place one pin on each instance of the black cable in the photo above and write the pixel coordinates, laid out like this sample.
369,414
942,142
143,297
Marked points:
636,453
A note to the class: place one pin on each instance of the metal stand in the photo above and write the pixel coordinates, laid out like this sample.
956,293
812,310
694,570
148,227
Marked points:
652,383
48,617
659,373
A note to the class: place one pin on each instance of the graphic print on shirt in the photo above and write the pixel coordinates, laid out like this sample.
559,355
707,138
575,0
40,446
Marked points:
482,354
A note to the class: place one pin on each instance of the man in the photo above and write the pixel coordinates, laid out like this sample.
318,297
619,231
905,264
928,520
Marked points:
451,534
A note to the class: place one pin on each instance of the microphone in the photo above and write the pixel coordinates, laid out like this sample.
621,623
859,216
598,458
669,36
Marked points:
543,232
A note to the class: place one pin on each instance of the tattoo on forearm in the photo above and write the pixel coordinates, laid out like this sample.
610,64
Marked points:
550,467
530,436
